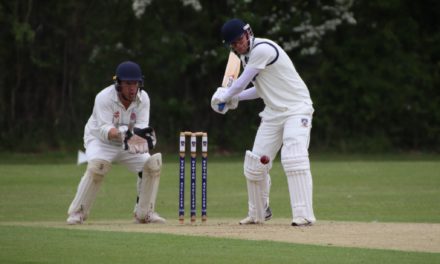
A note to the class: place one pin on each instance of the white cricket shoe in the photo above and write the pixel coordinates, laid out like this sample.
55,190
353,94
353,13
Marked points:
247,221
151,218
301,221
75,218
154,217
250,220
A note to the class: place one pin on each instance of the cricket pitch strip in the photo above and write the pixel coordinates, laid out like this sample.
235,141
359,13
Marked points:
418,237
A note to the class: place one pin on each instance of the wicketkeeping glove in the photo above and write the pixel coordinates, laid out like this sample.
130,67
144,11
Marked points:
140,140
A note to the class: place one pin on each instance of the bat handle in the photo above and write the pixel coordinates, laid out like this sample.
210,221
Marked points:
221,106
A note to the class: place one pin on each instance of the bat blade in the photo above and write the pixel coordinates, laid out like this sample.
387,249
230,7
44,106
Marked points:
231,73
232,70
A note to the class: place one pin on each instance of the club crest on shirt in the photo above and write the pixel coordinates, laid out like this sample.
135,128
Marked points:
116,119
305,122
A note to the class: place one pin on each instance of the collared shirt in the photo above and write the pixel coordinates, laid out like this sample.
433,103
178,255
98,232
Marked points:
105,109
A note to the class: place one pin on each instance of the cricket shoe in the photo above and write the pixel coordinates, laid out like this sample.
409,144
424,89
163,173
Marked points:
301,221
151,218
249,220
75,218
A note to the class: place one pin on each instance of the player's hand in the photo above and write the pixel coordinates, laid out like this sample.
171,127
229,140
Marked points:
122,131
117,135
148,134
233,103
140,140
217,99
137,144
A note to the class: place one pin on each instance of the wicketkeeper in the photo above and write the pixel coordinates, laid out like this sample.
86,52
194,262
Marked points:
286,121
118,131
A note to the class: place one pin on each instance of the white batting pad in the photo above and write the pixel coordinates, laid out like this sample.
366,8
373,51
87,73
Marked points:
295,156
253,168
256,176
256,201
89,186
265,193
300,189
296,164
266,190
149,186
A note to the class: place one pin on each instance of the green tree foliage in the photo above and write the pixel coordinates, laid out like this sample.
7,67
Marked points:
376,84
372,68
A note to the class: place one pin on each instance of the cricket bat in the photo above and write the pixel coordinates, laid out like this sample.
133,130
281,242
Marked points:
231,73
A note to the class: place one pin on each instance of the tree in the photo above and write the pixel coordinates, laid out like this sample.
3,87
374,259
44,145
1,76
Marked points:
372,68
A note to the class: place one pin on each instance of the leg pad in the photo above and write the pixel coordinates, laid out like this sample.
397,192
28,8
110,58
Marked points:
89,187
149,186
256,177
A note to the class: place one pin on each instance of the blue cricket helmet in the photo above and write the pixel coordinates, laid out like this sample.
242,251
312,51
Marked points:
129,71
233,29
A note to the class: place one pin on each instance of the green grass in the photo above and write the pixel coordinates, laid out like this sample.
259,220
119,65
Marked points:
40,245
384,190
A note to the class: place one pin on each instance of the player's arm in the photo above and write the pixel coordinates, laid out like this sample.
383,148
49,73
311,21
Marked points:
262,56
248,94
140,137
230,96
103,116
241,83
142,117
143,137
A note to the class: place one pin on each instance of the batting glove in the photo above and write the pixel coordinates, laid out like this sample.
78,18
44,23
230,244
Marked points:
233,103
219,99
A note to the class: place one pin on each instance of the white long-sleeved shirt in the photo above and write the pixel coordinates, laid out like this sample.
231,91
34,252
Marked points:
106,107
274,77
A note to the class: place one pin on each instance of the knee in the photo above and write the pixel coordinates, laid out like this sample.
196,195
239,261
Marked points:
153,165
254,170
97,169
295,157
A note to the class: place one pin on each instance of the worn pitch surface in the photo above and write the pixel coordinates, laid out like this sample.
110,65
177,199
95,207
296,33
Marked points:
421,237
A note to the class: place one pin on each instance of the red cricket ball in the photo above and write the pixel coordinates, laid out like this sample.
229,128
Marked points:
264,159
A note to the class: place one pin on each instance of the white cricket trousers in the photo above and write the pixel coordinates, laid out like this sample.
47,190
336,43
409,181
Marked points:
292,134
96,149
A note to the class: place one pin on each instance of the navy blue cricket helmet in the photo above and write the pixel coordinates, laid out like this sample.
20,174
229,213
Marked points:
129,71
233,29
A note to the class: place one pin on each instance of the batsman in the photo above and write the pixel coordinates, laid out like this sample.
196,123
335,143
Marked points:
118,131
286,121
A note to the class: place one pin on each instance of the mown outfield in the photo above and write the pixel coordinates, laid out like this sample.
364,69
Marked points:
35,192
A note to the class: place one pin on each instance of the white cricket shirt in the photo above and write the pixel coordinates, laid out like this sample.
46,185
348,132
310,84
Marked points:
107,104
278,82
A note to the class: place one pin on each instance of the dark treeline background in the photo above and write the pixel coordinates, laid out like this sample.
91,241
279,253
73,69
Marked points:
372,67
